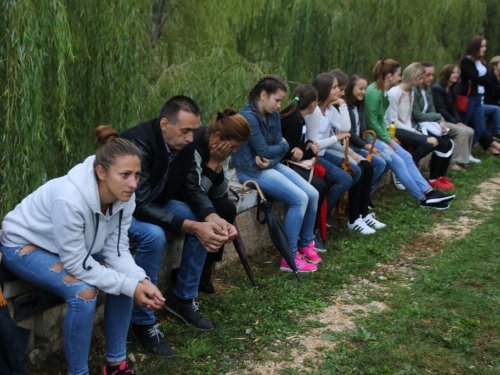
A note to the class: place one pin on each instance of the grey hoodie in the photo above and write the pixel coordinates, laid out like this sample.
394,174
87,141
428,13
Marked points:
64,217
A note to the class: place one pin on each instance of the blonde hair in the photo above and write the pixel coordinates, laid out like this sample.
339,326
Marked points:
495,60
413,71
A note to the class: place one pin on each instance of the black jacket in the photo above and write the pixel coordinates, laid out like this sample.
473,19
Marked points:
355,141
154,162
291,130
469,74
445,103
492,89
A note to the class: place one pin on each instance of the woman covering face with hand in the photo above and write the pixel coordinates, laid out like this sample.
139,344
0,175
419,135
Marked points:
69,237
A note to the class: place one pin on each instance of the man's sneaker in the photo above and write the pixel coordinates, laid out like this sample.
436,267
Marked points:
302,265
329,221
438,184
373,222
150,338
310,254
123,369
318,244
496,137
397,183
447,181
360,226
188,313
435,196
472,159
436,206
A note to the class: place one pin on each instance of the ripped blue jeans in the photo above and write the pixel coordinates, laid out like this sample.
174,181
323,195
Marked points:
45,270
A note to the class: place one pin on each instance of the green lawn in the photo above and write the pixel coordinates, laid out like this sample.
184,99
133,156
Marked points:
442,300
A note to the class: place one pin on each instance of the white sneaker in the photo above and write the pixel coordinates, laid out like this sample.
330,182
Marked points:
472,159
360,226
397,183
372,222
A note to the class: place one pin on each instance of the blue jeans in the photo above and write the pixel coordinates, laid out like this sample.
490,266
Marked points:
282,183
342,181
151,241
379,167
493,112
474,117
36,267
402,164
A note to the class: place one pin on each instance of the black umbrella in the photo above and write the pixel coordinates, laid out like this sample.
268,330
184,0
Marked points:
13,342
242,253
276,230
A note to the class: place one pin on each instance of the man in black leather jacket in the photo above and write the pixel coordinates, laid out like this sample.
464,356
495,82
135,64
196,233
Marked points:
167,156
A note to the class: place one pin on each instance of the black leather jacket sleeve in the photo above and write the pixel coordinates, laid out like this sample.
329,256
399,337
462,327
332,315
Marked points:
146,210
439,97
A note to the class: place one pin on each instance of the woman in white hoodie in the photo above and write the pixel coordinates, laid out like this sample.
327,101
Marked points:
69,237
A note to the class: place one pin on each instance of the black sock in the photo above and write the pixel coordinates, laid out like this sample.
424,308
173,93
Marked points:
183,301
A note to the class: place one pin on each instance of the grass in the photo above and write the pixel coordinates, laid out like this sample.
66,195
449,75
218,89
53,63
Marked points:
442,320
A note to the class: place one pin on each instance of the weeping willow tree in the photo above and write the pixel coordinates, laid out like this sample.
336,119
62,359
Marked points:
68,66
65,67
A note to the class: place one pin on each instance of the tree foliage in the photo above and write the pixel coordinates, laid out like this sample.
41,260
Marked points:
68,66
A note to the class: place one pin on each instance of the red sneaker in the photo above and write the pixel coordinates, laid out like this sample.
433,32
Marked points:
447,181
438,184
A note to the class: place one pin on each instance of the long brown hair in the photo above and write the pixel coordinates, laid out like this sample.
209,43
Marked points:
381,69
473,48
349,97
323,83
445,74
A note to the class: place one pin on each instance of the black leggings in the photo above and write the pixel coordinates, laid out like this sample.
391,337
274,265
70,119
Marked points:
439,164
359,193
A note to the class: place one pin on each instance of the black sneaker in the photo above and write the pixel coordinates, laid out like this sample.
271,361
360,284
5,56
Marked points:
188,313
496,137
436,206
435,196
150,338
206,287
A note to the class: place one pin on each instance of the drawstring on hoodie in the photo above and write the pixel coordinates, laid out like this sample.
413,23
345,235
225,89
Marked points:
95,236
93,242
119,233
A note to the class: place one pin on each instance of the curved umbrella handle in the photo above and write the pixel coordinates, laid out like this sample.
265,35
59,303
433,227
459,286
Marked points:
315,155
346,148
369,156
256,186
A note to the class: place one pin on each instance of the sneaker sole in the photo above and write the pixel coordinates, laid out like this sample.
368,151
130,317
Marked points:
438,200
155,354
181,318
290,270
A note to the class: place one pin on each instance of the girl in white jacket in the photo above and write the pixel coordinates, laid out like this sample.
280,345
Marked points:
69,237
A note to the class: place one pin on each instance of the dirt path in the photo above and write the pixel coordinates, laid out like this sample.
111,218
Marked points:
339,316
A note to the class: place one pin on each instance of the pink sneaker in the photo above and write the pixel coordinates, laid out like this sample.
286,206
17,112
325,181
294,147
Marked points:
302,266
310,254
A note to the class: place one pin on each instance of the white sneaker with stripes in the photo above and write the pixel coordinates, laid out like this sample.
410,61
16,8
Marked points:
372,222
360,226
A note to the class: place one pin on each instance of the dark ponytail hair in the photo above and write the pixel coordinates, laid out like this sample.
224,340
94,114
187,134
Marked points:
270,84
231,125
349,97
112,146
303,96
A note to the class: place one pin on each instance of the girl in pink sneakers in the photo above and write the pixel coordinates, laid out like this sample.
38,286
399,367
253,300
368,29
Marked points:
259,160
